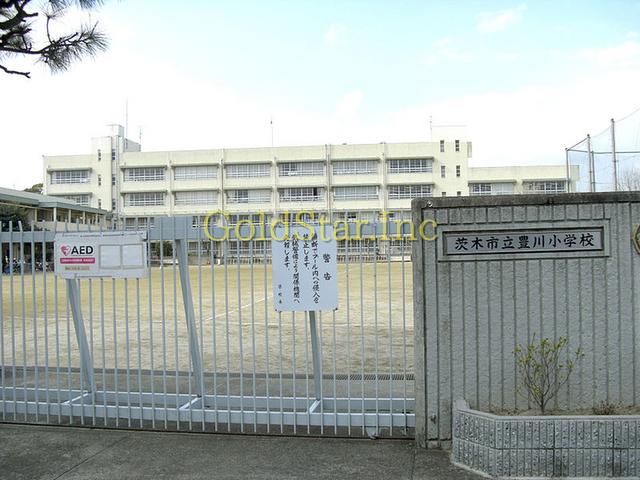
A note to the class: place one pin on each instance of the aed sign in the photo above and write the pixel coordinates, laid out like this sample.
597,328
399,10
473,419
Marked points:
305,269
101,254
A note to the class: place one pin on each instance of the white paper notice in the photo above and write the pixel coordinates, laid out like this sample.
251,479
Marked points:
305,271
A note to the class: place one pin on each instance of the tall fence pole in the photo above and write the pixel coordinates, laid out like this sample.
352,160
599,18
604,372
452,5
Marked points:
614,155
86,361
592,177
566,159
194,344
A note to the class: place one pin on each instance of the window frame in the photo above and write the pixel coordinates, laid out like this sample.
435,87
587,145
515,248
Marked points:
301,169
66,177
194,172
145,199
409,165
144,174
301,194
190,197
356,192
247,170
406,192
355,167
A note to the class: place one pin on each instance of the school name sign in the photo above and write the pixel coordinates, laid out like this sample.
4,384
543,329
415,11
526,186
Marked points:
524,241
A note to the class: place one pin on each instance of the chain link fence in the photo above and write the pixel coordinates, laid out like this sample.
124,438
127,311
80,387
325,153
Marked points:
610,160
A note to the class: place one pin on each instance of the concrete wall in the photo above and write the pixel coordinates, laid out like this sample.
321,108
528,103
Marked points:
573,446
471,311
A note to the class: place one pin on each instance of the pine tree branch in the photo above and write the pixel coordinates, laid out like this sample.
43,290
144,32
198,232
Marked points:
15,72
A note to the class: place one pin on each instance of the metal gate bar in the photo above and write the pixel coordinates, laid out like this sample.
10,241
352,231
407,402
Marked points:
223,360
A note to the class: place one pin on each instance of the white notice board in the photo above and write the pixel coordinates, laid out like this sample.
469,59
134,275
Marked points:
305,271
101,254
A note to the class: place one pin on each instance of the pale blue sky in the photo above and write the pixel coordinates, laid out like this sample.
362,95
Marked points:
528,78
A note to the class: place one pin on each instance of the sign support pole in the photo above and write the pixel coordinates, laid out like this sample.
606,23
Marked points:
73,295
194,344
316,354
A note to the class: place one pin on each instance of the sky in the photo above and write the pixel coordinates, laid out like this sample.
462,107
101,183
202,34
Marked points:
527,78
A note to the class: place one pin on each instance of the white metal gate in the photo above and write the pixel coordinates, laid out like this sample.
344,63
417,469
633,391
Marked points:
197,345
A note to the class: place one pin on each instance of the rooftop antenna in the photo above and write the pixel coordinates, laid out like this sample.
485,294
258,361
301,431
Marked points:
431,127
140,136
126,122
271,124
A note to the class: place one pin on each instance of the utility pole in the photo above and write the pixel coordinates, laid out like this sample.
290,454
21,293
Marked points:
592,178
614,154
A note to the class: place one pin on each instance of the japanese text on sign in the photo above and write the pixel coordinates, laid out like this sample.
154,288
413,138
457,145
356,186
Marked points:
305,270
574,240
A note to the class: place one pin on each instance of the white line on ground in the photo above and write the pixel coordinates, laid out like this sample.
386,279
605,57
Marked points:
242,307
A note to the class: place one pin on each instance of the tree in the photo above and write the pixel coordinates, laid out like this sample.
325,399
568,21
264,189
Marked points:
629,179
12,214
35,188
25,32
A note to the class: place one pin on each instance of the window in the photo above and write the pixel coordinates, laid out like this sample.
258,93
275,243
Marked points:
368,192
301,194
441,146
444,194
196,172
476,189
79,199
457,170
443,171
410,165
70,176
143,174
99,203
254,218
459,194
457,145
300,169
249,196
113,204
113,155
355,167
397,192
554,186
99,155
371,216
144,199
113,179
99,180
196,197
248,170
139,223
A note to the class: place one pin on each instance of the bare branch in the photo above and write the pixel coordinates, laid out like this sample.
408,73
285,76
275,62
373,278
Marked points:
15,72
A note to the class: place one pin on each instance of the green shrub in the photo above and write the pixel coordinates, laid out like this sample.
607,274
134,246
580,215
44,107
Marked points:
544,368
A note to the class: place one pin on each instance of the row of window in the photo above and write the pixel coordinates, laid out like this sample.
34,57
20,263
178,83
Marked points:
82,199
256,219
315,194
288,169
295,194
69,176
501,188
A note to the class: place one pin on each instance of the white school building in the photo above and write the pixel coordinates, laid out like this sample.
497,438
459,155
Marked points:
342,181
